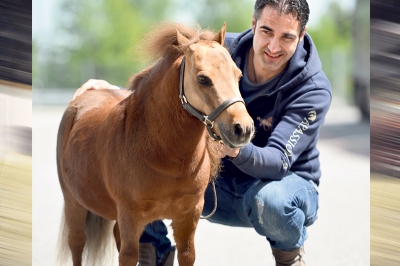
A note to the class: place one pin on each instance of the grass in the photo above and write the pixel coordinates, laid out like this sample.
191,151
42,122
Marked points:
385,220
15,210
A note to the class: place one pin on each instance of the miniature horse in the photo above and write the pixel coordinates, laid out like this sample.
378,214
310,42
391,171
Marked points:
137,156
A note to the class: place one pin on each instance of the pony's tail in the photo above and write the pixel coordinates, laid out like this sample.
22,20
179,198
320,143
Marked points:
99,248
63,252
100,244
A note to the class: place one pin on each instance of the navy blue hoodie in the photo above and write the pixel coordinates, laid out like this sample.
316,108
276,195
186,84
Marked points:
288,117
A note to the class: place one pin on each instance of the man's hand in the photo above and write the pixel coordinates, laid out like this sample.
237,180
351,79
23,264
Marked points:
94,84
226,151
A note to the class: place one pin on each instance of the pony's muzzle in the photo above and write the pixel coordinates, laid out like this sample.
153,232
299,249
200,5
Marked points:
237,134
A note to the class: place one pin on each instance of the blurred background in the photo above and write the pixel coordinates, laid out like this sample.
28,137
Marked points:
76,40
385,144
73,41
15,132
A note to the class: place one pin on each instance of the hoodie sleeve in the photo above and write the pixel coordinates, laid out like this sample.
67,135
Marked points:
295,134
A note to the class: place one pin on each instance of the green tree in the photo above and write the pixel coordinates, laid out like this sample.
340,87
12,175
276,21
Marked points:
334,29
99,36
237,14
333,40
96,38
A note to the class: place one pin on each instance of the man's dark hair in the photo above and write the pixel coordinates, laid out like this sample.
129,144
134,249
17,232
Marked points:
298,8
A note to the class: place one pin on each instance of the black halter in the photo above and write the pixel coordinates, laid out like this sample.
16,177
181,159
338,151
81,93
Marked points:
207,120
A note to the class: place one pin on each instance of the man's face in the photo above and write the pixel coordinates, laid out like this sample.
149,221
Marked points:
275,40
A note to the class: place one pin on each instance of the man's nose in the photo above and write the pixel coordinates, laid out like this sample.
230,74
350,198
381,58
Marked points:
274,45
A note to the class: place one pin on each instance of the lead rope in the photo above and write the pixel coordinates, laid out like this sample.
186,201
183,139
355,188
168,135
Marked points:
215,202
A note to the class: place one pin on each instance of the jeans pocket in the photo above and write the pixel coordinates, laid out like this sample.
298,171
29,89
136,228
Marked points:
311,219
315,186
314,203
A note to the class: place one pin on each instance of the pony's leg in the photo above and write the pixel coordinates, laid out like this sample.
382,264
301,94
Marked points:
117,236
130,229
75,218
184,230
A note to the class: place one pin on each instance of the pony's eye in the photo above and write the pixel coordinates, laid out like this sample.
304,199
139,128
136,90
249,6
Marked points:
203,80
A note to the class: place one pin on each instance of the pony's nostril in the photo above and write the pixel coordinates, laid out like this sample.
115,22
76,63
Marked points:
238,130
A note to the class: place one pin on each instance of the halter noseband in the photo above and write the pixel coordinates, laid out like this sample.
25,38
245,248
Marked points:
206,120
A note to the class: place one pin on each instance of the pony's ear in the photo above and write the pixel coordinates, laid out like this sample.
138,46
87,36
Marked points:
220,37
182,40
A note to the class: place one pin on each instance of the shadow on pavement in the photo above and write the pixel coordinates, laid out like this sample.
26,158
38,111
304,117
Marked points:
353,137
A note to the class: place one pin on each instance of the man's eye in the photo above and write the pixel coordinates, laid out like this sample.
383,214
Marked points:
203,80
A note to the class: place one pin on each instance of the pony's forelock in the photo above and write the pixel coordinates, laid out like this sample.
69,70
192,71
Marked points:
161,40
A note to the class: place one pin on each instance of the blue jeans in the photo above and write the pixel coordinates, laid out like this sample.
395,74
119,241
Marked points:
279,210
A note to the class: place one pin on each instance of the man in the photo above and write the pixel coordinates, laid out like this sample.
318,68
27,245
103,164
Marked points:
271,184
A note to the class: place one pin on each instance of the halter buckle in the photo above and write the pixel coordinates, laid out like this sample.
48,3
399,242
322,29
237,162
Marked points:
207,121
183,99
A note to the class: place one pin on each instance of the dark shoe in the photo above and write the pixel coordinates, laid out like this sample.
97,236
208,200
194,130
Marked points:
169,258
289,258
148,256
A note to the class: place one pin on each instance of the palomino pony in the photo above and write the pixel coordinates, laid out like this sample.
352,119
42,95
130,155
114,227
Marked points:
137,156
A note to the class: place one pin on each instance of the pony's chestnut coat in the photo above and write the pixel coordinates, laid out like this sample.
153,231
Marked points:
136,156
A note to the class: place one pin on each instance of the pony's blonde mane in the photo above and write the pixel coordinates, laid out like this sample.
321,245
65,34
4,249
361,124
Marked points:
161,40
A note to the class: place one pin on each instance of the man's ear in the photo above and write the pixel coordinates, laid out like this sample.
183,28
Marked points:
303,33
253,24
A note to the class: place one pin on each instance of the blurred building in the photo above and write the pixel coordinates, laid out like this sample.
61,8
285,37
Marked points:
385,86
16,41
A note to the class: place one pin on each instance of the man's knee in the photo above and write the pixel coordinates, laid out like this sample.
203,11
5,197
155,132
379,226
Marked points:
289,201
272,205
274,217
281,210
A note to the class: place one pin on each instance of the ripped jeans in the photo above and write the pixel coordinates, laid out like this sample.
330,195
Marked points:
278,210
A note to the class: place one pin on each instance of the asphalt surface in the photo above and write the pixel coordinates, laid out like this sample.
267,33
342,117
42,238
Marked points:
340,236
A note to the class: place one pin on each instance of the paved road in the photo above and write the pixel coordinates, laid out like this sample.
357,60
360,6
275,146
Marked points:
340,236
